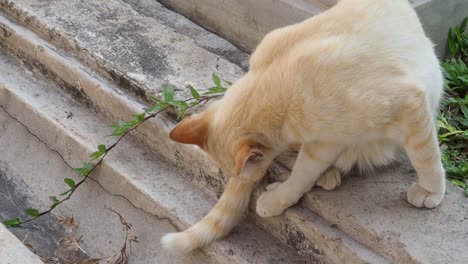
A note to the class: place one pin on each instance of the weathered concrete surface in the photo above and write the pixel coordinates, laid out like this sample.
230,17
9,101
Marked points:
133,50
45,232
38,172
373,209
105,98
102,234
12,251
114,102
133,172
184,26
245,23
298,226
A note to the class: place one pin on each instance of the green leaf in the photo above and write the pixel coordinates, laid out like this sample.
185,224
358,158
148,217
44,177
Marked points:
464,122
102,148
101,151
168,93
95,155
157,107
81,171
155,99
466,192
451,44
228,82
463,24
54,200
120,128
215,90
464,79
464,110
194,92
458,34
69,182
181,108
216,80
32,212
138,118
66,192
84,171
88,165
179,104
458,183
12,222
181,113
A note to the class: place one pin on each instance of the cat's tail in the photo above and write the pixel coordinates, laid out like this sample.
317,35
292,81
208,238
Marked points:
217,223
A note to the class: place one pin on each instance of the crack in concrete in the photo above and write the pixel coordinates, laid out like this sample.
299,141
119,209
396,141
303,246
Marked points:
34,135
166,219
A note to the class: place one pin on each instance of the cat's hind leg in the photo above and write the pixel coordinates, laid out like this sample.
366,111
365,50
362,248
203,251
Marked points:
365,157
417,133
423,151
330,179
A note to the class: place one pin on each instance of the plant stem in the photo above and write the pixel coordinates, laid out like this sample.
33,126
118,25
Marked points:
108,149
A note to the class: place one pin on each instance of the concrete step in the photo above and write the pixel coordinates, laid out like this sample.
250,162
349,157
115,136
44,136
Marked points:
32,169
372,208
12,250
132,171
138,52
182,25
245,23
314,239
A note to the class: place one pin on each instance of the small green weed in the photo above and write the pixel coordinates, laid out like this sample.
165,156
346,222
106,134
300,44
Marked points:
452,121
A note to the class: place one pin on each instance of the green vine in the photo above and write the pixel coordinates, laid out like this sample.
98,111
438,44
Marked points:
120,130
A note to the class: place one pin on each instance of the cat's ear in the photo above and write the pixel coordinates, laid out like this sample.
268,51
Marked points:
192,130
248,151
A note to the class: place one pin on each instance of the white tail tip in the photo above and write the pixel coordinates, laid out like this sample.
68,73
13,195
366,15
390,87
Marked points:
178,242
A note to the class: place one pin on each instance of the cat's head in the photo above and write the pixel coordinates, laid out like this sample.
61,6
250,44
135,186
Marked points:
237,152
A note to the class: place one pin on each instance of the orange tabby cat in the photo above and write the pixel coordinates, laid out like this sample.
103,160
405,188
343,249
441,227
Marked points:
349,86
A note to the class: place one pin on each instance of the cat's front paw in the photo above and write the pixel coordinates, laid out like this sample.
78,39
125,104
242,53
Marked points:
420,197
273,202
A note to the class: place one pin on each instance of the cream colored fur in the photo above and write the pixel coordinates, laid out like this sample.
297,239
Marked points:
347,87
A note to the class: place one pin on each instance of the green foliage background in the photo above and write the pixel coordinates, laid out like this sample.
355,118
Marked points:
452,121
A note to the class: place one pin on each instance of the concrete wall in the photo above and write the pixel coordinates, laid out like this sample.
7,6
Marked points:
245,22
437,16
